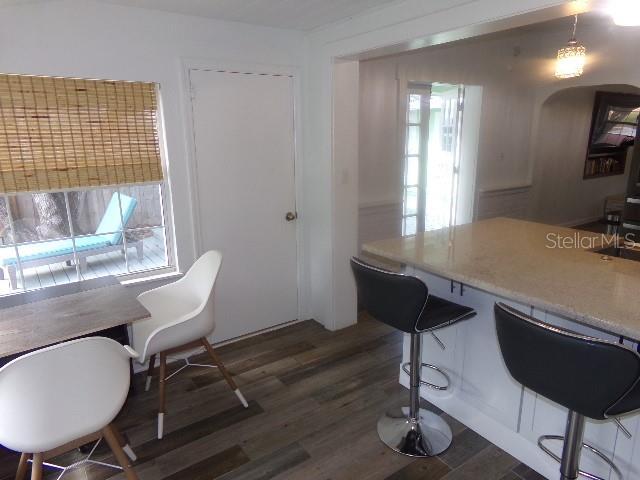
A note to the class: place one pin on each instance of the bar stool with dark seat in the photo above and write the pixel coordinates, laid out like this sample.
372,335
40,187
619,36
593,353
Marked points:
403,302
591,377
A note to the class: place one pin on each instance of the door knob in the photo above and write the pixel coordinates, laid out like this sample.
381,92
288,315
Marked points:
290,216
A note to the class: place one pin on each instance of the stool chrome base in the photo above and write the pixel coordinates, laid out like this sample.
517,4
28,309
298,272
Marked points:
426,436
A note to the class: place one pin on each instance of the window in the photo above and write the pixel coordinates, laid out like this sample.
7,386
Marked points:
415,144
431,156
81,181
449,120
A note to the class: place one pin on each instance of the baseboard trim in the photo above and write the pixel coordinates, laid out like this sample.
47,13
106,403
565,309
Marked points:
260,332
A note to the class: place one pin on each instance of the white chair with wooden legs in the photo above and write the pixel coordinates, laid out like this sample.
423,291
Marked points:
181,320
61,397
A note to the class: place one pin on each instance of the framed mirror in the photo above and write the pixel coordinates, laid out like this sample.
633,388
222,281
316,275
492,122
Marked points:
614,127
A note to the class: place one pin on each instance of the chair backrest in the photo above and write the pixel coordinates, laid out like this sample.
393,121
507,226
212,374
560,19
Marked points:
111,223
584,374
185,306
392,298
202,275
61,393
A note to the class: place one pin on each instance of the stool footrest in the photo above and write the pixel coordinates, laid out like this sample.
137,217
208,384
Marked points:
592,449
406,368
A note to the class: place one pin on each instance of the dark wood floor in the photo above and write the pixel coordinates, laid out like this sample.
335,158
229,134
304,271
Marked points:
314,399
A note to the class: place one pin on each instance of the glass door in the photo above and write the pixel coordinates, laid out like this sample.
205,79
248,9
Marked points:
415,157
432,160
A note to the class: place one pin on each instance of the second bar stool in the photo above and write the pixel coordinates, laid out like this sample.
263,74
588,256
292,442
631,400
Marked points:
591,377
403,302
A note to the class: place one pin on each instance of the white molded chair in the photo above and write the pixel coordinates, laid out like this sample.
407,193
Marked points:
181,319
58,398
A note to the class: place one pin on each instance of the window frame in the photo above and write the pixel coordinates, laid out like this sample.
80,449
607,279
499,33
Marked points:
129,274
425,94
451,109
602,159
166,211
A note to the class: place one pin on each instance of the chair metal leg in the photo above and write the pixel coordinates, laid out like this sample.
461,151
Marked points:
23,466
414,376
406,367
574,432
36,466
152,365
162,395
625,431
411,430
572,448
111,437
223,370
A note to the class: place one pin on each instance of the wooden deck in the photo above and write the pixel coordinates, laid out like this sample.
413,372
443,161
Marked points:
112,263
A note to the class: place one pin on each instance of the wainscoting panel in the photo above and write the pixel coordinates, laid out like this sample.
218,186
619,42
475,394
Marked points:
510,202
379,221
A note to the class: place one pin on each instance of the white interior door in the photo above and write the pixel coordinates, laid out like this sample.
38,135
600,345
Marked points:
244,144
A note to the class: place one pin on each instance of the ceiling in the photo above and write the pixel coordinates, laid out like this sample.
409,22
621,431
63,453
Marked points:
597,19
8,3
291,14
562,26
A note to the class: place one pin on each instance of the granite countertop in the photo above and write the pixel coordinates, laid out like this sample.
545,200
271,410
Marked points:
548,267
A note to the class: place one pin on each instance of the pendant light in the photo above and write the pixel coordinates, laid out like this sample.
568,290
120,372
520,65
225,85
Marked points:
571,59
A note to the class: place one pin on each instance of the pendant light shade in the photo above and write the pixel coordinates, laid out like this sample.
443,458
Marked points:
572,58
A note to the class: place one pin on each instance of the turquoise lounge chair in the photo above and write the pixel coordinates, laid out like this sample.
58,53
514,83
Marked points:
107,238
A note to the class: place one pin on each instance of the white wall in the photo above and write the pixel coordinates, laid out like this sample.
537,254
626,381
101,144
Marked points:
82,38
408,24
506,108
562,118
379,161
345,155
559,193
525,139
507,102
379,167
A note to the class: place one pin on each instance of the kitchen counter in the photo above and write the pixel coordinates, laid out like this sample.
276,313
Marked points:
551,273
517,260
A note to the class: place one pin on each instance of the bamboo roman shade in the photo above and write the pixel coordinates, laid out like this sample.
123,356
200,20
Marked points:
65,133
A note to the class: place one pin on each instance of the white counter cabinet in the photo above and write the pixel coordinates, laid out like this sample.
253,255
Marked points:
483,395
